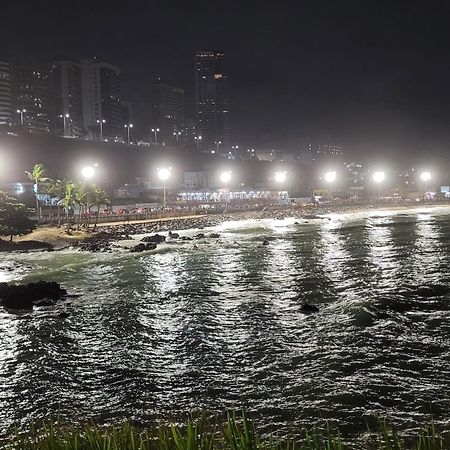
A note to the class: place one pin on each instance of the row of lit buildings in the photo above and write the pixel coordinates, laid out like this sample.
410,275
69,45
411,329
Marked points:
83,99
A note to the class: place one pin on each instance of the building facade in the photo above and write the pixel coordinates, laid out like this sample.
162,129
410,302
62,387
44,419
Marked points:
212,101
31,96
168,112
66,99
6,100
101,86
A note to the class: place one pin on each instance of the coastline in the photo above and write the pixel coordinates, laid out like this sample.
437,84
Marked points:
52,238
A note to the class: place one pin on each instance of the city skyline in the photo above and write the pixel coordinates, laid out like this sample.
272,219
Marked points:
374,82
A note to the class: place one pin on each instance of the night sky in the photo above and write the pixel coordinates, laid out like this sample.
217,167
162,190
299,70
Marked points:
372,75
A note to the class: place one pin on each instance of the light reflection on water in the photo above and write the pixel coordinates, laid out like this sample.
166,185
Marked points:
218,323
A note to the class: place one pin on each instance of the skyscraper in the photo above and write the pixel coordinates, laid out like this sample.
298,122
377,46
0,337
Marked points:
66,100
212,101
6,101
101,87
31,96
168,112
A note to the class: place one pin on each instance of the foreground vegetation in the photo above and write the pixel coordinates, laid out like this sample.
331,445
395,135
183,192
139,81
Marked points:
236,433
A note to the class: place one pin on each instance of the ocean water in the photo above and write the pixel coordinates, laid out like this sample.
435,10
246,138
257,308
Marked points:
217,323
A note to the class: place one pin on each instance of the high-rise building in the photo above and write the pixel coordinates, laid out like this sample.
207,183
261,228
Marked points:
101,88
168,112
66,99
31,96
212,101
6,100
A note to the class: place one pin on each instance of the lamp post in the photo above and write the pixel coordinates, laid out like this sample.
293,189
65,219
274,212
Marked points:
225,178
280,178
155,131
217,146
379,177
425,177
164,175
177,135
198,139
21,112
65,117
330,177
235,148
101,123
128,126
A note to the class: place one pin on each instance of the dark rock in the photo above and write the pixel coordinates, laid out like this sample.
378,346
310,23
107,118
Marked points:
26,296
156,238
214,235
199,236
309,309
186,238
144,247
174,235
265,242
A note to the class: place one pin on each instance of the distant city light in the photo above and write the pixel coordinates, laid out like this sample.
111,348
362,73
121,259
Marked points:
378,177
225,177
280,177
88,172
425,176
330,177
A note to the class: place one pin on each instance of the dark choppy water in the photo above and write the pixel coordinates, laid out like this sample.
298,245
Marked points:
220,326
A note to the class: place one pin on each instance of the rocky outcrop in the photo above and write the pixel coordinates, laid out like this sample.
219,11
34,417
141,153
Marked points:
156,238
24,246
143,247
26,296
309,309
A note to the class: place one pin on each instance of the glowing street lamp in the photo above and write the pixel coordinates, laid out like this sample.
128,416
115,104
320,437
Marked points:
21,112
177,135
198,139
164,175
425,176
280,178
128,126
379,177
65,117
155,131
217,146
330,177
88,172
225,178
101,123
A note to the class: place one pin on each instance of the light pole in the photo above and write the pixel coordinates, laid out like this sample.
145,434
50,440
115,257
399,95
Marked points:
235,149
379,177
155,131
225,178
64,117
177,135
217,146
164,175
425,177
280,178
330,177
130,125
101,123
21,112
198,139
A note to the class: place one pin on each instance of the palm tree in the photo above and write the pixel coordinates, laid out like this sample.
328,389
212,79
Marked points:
37,175
70,195
100,198
58,189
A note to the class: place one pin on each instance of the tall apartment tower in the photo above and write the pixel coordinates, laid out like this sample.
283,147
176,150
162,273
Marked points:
101,98
212,101
6,100
31,96
66,99
168,112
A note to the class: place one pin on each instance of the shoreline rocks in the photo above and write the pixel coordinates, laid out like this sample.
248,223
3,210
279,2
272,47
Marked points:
25,296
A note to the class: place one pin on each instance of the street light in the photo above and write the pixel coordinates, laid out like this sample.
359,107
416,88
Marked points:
280,177
101,123
379,177
177,135
164,175
88,172
425,176
128,126
235,148
225,178
64,117
21,112
198,139
330,177
217,145
155,130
